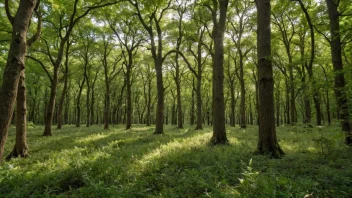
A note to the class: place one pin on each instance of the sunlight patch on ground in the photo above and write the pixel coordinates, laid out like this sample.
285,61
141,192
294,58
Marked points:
92,138
172,147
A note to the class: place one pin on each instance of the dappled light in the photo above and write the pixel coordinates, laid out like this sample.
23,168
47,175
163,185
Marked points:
120,163
176,98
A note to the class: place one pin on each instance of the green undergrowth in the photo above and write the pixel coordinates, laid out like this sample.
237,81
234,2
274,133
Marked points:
92,162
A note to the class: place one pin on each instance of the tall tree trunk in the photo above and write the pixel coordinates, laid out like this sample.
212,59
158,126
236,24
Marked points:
20,148
192,106
78,103
243,98
160,95
199,100
51,104
339,85
328,106
219,130
107,106
288,120
307,108
14,66
233,105
310,65
129,96
178,94
64,90
267,131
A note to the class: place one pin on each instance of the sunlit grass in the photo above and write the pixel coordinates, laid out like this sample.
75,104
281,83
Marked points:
92,162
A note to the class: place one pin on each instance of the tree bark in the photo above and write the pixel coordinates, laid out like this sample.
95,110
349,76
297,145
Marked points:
20,148
14,66
309,66
339,81
78,103
219,129
267,131
51,105
64,90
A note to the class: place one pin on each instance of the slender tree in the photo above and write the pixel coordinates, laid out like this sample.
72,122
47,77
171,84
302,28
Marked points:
154,17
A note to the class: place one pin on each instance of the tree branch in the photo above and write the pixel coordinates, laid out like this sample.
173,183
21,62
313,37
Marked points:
42,65
39,27
8,13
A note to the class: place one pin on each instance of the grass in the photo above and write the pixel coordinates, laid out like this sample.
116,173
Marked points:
91,162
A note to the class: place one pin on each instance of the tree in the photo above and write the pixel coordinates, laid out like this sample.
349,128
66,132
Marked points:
21,148
219,26
238,28
340,82
63,30
155,16
64,90
110,72
130,39
15,64
309,66
267,143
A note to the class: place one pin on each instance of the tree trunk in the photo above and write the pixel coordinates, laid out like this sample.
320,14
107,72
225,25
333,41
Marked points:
20,148
233,105
51,105
149,103
340,82
14,66
192,106
78,103
129,96
160,102
328,106
267,132
107,106
178,94
64,90
310,66
219,130
243,96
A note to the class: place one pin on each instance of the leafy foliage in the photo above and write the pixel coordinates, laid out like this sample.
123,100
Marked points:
89,162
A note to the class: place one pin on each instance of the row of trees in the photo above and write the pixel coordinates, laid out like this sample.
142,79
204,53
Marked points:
203,57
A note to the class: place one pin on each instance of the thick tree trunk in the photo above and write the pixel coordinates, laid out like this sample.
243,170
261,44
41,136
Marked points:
14,66
340,82
160,94
20,149
219,130
267,131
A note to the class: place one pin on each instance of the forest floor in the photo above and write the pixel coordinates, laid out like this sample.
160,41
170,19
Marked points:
91,162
